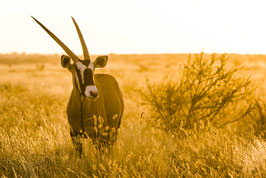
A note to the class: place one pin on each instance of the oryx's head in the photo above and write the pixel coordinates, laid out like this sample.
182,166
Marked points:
82,70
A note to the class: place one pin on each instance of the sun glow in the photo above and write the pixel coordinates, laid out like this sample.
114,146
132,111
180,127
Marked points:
135,26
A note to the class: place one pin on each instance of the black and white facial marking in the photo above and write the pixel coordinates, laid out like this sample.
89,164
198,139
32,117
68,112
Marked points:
84,76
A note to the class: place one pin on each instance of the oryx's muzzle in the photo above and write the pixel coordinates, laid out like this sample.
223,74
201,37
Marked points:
91,91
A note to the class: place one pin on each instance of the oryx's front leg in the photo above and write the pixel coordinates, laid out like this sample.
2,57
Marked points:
76,139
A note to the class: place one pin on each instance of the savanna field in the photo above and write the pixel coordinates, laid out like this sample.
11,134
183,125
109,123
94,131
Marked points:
183,118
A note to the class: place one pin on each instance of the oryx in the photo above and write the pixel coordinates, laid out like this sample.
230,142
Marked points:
96,106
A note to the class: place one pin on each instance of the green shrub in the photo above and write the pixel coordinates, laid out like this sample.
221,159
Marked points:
208,92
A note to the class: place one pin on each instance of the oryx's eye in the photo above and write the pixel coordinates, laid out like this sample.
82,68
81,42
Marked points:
80,70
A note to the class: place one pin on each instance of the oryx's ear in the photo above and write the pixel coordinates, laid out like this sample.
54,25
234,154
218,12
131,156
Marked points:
65,61
100,61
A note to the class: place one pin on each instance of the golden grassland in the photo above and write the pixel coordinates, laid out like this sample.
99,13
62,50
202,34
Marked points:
35,139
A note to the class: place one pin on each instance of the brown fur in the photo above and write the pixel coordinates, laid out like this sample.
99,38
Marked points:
109,106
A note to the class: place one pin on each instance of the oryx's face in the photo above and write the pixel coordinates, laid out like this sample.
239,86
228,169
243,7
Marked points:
84,78
83,74
82,70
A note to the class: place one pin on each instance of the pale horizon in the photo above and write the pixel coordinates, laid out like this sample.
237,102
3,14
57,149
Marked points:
135,27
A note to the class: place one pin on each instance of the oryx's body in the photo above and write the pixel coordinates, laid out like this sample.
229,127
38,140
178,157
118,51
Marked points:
96,106
109,106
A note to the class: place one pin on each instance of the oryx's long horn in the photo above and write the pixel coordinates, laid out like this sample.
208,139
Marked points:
65,48
82,41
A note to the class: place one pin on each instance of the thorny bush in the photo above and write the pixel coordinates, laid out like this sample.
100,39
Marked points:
207,92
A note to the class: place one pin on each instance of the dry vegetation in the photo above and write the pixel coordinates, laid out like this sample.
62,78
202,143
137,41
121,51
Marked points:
34,133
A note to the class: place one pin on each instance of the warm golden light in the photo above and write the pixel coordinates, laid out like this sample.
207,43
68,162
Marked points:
66,111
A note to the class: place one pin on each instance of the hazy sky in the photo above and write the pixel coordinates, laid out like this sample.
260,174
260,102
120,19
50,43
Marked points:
136,26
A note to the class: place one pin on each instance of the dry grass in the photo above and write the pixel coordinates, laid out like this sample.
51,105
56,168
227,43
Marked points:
34,133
